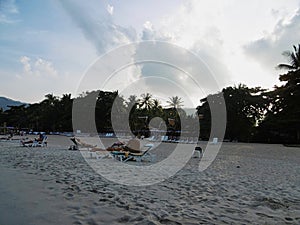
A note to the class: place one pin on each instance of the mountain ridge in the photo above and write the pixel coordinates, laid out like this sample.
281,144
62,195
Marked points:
5,102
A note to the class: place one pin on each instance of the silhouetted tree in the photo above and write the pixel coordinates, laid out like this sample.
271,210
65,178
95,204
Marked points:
175,102
282,122
245,108
146,101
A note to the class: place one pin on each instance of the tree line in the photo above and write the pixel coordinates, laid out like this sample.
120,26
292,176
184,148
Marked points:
253,114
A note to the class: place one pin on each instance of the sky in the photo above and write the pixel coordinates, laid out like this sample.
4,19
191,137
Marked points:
49,46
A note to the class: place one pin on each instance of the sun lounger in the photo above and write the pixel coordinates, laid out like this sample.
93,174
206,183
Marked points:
42,143
36,143
138,157
214,141
199,151
80,146
119,155
164,138
100,154
152,138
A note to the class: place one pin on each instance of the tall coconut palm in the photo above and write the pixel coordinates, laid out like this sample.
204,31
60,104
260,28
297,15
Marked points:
175,102
132,102
146,101
294,59
156,104
156,108
50,99
288,95
293,75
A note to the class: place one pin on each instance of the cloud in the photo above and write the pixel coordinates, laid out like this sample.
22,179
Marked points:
98,26
110,9
188,28
148,32
26,64
44,67
191,28
213,30
267,50
39,68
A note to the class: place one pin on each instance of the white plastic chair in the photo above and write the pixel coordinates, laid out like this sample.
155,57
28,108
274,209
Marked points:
215,141
43,143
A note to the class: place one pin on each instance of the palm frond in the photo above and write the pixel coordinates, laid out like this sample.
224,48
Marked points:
285,66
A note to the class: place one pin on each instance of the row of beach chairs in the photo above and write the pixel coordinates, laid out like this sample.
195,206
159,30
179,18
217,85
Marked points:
144,155
185,140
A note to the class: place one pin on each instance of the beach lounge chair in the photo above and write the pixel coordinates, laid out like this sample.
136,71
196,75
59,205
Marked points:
214,141
42,143
119,155
138,157
199,151
133,146
78,145
36,143
152,138
100,154
110,152
164,138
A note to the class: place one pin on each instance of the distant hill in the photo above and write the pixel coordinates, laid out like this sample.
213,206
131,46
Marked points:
5,102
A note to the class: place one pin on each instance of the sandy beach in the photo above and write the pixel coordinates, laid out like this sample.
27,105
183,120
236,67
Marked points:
246,184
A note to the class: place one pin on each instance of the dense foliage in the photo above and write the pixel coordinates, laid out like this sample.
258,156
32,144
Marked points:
282,121
245,109
55,114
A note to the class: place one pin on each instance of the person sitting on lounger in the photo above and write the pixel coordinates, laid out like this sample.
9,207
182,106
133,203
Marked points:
39,139
133,146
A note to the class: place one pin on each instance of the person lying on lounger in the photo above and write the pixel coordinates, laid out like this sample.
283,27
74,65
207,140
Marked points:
133,146
78,142
9,137
39,139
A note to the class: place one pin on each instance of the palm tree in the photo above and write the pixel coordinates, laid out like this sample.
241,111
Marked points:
294,59
156,104
146,101
287,96
175,102
293,74
132,102
156,110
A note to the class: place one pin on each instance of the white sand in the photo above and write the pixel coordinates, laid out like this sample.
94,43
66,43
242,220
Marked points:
246,184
